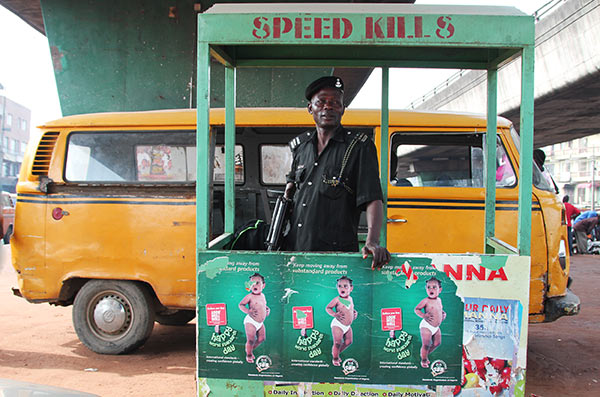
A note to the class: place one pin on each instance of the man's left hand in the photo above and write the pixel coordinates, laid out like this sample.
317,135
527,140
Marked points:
381,256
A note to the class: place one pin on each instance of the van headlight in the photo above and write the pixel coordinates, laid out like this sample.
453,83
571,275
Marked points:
562,254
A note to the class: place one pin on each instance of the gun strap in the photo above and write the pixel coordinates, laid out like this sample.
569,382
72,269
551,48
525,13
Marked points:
360,137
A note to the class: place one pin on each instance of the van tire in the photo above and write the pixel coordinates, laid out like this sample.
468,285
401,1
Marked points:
175,317
112,316
6,238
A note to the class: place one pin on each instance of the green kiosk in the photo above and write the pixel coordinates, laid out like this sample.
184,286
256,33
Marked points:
482,344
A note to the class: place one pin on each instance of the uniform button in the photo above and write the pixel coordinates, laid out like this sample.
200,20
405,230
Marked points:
309,183
299,225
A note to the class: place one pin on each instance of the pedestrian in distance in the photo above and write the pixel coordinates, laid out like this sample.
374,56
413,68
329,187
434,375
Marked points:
570,212
582,230
584,215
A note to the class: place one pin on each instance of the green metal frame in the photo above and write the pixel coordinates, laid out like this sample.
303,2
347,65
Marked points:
384,145
380,35
421,39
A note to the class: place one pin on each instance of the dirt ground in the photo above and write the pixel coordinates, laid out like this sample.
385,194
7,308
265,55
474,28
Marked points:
564,356
38,344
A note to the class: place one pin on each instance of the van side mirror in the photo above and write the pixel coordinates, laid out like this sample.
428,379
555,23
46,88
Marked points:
44,182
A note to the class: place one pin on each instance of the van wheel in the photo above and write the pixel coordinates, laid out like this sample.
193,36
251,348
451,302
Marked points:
6,237
175,317
113,317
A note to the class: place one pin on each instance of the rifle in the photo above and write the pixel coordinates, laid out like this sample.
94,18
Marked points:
282,212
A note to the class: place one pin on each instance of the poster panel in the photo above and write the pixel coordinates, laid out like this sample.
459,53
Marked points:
329,325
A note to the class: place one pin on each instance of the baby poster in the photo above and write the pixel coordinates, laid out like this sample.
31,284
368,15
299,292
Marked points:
328,318
338,294
240,334
419,333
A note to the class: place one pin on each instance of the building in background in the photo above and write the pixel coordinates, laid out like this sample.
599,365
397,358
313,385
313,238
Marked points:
15,122
574,168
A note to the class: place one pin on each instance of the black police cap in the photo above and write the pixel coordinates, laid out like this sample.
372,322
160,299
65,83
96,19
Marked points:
323,82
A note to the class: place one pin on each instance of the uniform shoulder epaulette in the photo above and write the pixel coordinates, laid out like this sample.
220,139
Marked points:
299,140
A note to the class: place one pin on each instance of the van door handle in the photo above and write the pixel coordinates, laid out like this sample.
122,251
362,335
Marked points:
390,220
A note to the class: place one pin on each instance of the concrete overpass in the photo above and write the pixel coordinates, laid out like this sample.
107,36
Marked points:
114,55
567,78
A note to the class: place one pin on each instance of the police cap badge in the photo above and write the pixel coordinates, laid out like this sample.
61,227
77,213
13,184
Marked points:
323,82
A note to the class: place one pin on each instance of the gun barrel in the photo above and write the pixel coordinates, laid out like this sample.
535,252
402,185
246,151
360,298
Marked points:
277,223
276,211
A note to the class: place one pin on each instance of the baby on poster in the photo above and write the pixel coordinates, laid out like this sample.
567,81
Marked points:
255,306
341,308
430,309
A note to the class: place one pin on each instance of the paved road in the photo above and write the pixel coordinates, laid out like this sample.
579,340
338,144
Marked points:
38,344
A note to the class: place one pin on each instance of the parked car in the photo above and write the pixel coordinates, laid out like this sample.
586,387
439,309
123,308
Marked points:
8,216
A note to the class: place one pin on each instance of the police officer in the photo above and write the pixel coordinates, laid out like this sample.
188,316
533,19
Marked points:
334,177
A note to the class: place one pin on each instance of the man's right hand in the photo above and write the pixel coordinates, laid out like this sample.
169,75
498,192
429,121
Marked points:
381,256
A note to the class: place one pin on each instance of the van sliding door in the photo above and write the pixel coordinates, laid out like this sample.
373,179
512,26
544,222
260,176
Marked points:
436,198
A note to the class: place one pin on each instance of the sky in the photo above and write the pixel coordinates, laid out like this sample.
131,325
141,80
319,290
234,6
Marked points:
26,68
28,79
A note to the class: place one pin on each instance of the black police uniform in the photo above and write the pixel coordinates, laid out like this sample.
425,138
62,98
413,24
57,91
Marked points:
332,189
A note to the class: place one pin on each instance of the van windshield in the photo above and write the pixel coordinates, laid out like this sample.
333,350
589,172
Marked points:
436,159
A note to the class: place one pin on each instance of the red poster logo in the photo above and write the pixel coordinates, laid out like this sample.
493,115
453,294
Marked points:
391,319
216,314
303,317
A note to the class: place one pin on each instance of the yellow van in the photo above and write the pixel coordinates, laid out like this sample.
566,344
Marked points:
106,208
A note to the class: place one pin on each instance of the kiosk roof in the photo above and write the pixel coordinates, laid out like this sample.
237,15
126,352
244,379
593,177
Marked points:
362,8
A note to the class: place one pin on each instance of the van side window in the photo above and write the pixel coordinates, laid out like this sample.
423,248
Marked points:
433,159
140,157
219,172
275,163
131,157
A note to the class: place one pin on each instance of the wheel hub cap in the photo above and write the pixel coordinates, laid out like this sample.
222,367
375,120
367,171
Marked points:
110,315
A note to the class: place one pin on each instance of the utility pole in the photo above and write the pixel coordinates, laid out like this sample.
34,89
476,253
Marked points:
594,179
